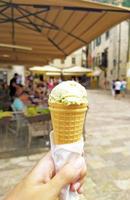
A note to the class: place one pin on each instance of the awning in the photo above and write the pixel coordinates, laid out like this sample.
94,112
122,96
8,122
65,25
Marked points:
76,70
53,74
46,68
97,72
51,70
94,73
33,32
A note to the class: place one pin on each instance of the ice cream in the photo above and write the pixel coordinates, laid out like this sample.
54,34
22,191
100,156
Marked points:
69,93
68,104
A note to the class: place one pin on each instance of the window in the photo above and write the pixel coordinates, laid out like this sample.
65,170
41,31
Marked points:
73,60
94,44
105,58
83,63
107,35
3,76
62,61
94,61
98,60
98,41
114,62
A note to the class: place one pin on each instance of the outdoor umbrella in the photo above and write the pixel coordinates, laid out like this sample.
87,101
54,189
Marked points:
35,32
47,70
75,71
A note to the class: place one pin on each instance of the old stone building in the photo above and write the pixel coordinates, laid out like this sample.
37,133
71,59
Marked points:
109,52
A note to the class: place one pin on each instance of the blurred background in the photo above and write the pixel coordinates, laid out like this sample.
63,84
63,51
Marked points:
101,65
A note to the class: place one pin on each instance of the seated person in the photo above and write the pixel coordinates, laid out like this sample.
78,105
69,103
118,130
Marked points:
38,91
20,92
21,99
18,105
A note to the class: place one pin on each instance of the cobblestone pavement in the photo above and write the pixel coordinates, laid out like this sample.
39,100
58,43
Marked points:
107,151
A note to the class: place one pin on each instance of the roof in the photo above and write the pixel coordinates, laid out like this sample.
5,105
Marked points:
43,30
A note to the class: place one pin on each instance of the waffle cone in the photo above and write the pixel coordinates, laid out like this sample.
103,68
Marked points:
67,122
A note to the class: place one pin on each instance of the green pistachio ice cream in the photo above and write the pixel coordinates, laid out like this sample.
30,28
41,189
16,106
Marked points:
68,105
68,93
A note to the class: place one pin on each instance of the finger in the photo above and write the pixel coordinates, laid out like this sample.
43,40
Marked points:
78,183
66,175
80,190
74,187
43,171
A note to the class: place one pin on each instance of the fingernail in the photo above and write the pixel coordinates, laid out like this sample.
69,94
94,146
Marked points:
81,190
76,186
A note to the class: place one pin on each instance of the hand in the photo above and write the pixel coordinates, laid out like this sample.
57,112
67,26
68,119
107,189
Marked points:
42,182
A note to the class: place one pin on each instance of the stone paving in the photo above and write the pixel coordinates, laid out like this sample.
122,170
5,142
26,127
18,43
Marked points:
107,151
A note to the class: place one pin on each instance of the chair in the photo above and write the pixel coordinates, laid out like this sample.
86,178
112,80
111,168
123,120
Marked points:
17,123
38,128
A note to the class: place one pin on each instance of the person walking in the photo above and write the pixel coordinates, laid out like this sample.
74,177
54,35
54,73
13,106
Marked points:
123,87
117,88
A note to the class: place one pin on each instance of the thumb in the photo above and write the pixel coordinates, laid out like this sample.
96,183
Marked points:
67,175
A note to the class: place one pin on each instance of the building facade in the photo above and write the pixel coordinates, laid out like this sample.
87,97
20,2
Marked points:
78,58
116,2
109,52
